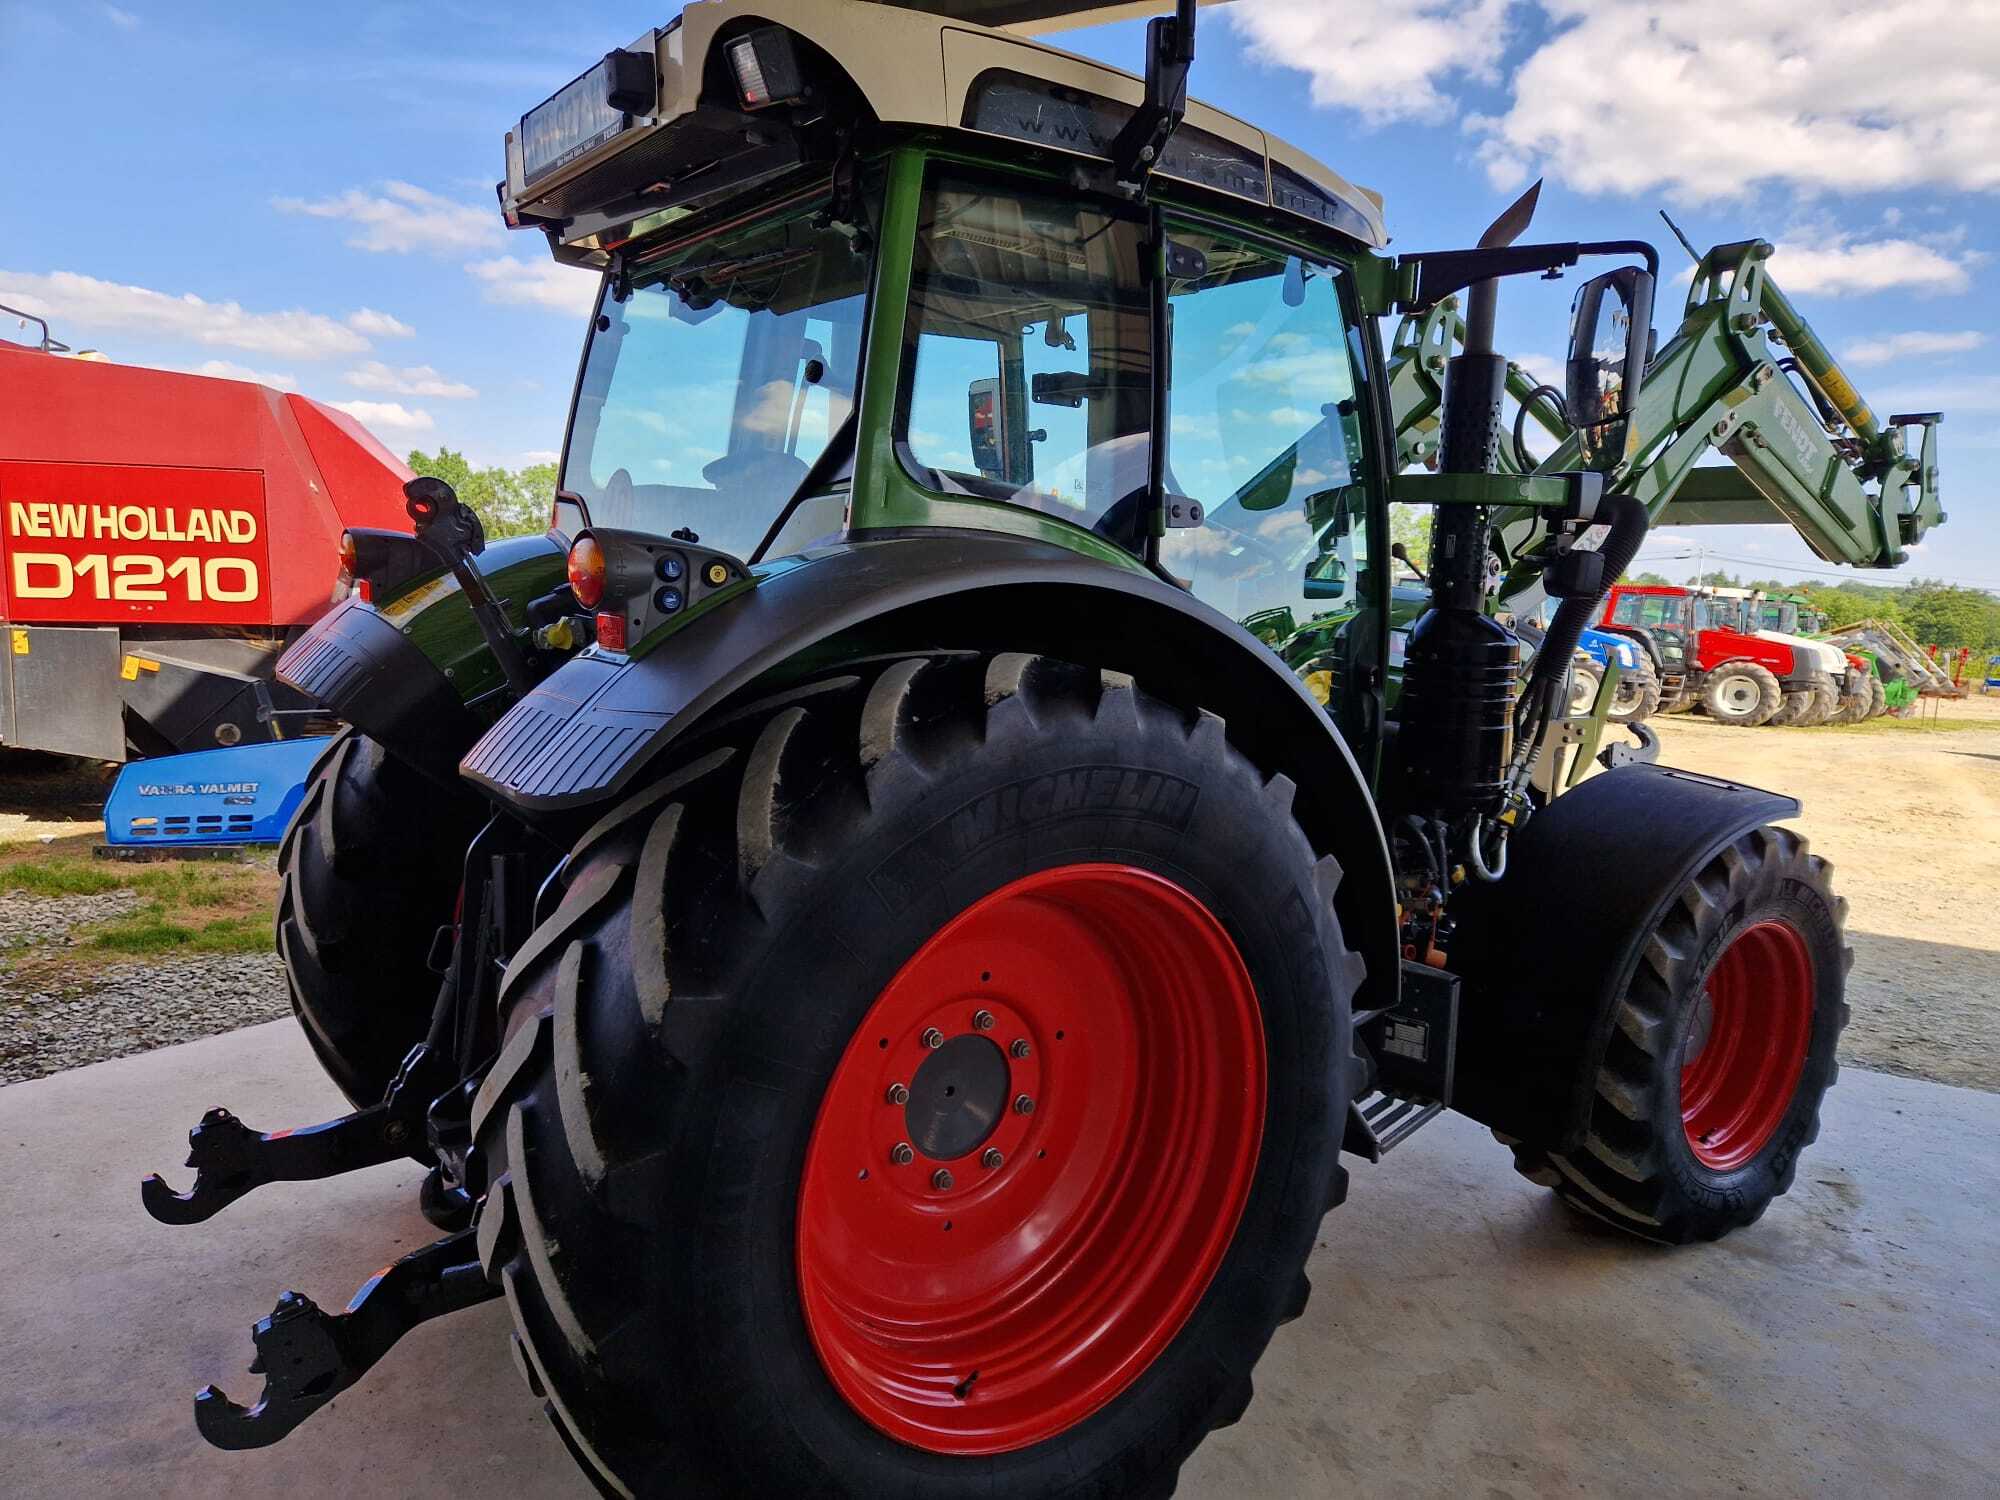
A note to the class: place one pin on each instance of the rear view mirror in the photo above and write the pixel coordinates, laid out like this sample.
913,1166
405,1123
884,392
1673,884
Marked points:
1610,337
1326,578
983,423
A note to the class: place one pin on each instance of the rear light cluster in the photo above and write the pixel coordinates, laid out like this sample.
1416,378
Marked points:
630,583
346,583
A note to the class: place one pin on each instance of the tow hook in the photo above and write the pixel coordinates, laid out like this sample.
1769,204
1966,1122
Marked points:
308,1356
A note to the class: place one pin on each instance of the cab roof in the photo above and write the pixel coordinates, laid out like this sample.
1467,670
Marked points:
924,63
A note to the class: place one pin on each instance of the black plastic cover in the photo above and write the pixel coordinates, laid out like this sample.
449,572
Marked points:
366,671
1547,951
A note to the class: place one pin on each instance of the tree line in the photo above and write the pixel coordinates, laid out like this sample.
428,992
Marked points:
509,502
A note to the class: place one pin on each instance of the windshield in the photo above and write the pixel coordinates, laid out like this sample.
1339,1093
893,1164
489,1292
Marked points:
1718,614
709,391
1653,611
1773,615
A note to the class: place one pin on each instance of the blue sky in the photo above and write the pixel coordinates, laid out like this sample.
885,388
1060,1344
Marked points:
305,192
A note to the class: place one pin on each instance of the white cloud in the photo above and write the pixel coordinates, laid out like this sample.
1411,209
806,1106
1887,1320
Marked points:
379,325
1911,345
535,283
124,20
1951,396
1838,266
69,300
1382,59
386,414
409,380
228,369
1703,99
402,218
539,456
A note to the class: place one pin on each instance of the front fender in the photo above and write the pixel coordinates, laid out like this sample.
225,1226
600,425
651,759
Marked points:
1547,952
589,733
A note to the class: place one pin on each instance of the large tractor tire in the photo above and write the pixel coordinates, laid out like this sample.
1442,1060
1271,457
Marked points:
368,871
1878,698
1798,702
1637,696
1852,707
931,1089
1824,705
1722,1048
1741,694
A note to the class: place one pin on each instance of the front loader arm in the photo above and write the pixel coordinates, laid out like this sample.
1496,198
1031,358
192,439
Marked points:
1805,451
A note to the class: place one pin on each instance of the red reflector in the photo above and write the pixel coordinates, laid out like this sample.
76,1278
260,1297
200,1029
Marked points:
611,631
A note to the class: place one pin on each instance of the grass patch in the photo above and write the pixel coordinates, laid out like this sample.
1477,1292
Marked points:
153,931
60,877
184,907
1916,724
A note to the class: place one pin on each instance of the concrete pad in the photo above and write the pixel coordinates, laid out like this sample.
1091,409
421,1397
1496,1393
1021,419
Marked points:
1466,1335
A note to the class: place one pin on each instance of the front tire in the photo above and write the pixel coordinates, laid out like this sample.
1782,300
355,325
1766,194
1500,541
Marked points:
1722,1048
726,1275
1741,694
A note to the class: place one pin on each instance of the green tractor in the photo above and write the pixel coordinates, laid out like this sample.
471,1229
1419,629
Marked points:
882,966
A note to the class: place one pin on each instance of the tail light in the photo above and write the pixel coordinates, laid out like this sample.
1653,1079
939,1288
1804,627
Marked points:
344,581
586,571
611,630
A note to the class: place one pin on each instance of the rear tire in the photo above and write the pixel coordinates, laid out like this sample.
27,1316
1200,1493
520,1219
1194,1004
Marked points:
1637,696
674,1122
1721,1050
1878,698
368,871
1741,694
1798,703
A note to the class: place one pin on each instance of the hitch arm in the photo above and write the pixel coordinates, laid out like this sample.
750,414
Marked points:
230,1159
307,1356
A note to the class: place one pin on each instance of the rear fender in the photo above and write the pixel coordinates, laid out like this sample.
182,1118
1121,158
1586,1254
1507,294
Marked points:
1546,953
589,734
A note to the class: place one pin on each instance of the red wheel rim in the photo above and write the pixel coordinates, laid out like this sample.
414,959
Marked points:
999,1309
1737,1081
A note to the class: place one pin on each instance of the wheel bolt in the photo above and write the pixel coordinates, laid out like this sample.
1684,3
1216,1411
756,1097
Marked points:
933,1038
1024,1104
901,1154
941,1180
898,1094
992,1159
983,1020
1020,1047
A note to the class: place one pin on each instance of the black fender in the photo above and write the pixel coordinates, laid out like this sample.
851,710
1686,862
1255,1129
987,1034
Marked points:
587,734
1545,952
415,673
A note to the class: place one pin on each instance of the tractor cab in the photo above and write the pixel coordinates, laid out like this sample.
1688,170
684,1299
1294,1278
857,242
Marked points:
842,299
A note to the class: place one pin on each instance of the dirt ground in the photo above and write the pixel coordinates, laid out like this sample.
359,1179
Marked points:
1908,812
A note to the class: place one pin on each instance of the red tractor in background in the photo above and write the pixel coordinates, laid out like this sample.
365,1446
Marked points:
1705,657
162,536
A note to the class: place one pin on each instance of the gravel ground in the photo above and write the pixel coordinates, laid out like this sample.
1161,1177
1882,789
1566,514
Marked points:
133,1007
29,921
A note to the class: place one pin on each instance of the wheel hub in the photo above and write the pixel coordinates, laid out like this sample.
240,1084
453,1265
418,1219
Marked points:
957,1097
1746,1045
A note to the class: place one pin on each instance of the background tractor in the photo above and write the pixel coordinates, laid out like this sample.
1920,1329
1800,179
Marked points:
905,962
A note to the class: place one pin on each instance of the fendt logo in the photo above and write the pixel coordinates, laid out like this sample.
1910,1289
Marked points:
85,543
